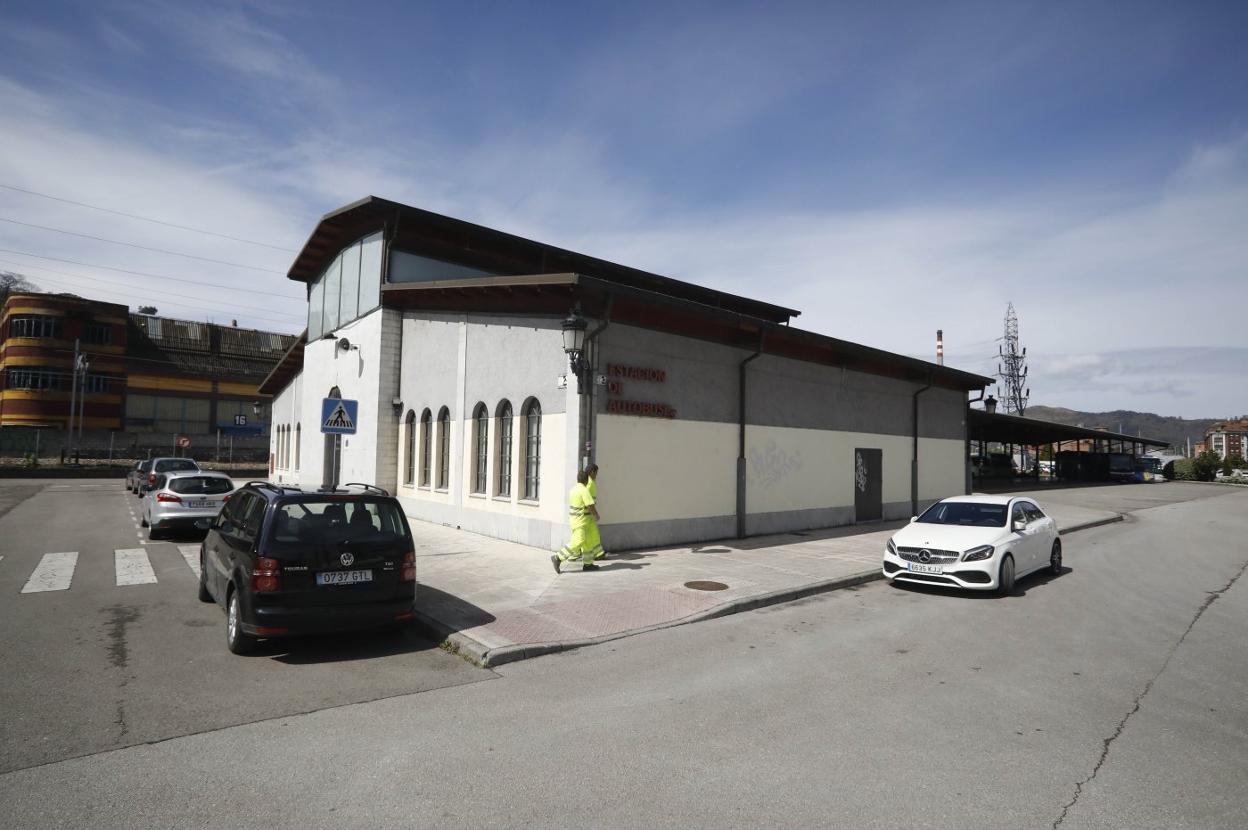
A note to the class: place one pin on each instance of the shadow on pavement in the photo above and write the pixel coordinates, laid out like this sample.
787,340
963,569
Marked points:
622,566
348,646
1021,587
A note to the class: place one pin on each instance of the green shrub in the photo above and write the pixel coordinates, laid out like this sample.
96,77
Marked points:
1206,465
1179,470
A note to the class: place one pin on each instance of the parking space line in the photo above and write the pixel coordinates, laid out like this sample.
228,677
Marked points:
53,573
191,554
133,567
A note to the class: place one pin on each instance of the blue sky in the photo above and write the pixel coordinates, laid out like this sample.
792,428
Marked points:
887,168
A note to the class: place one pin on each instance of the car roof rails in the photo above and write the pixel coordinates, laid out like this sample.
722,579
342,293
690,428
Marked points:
268,485
371,487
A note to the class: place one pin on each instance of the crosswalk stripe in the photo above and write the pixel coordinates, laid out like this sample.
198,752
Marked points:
53,573
133,567
191,554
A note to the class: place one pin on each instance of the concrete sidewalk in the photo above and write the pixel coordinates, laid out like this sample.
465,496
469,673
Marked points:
497,602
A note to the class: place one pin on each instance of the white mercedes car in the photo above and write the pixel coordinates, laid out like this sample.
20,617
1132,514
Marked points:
980,542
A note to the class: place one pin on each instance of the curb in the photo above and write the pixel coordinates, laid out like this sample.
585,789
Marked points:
476,652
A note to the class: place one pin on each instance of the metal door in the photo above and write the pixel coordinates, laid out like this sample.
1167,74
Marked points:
868,484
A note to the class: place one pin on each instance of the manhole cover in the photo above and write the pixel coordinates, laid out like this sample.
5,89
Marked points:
706,585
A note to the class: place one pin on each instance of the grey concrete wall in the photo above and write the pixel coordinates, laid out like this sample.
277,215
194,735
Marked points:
702,383
669,533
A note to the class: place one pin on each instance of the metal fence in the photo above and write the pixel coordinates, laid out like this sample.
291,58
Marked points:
20,444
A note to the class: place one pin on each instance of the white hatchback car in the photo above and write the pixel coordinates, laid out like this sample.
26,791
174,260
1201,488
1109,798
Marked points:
980,542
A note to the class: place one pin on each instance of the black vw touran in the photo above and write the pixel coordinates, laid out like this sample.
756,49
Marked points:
282,561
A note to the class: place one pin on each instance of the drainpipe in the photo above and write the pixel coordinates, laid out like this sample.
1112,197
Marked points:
741,434
914,460
588,412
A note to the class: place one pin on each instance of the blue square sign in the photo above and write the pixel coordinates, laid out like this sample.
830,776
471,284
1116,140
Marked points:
338,416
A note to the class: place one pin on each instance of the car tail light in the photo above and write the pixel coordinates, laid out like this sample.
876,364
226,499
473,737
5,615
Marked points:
266,577
168,497
151,479
409,567
227,498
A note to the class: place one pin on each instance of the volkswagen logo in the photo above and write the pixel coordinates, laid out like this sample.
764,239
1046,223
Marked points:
924,556
348,559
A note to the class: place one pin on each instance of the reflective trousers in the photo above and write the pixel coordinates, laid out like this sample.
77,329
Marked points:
585,544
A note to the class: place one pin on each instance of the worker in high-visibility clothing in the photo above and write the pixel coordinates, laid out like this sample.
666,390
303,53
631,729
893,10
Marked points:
585,544
592,484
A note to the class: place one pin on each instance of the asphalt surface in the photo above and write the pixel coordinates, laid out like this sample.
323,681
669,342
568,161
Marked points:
100,666
1108,696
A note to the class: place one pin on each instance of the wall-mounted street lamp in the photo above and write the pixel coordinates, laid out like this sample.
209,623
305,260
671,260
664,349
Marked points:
990,405
574,328
255,408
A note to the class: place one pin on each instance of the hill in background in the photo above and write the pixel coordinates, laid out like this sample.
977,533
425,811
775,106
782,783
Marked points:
1145,424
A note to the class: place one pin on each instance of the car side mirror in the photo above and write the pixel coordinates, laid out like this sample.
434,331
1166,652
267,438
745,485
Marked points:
1018,525
913,519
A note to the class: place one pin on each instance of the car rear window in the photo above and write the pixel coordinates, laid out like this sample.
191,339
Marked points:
314,521
201,485
174,465
972,514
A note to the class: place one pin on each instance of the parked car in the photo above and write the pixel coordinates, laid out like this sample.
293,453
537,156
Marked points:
184,500
980,542
156,466
136,475
284,561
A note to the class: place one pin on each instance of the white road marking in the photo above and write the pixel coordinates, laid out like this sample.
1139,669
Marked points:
191,554
53,573
133,567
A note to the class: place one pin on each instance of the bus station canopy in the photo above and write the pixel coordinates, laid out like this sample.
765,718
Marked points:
995,427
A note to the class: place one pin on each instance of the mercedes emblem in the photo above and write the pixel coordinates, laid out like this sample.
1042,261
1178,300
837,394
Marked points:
348,559
924,556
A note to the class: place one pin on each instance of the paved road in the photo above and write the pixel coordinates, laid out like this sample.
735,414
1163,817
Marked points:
1109,696
93,664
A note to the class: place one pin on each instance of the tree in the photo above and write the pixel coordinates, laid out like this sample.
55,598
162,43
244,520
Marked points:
1206,465
14,283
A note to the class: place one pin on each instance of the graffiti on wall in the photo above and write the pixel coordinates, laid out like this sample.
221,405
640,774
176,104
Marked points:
771,465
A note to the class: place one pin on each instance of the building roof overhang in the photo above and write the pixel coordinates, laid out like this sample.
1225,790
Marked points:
1000,428
454,240
555,295
287,367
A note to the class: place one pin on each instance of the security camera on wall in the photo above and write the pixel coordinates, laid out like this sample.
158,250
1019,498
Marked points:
344,344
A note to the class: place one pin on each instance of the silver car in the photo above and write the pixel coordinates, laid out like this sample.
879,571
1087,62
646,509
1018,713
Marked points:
184,500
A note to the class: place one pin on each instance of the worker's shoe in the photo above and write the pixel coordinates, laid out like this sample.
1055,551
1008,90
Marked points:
589,566
554,560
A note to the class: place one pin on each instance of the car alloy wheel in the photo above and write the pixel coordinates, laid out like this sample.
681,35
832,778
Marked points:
1055,558
1005,584
236,640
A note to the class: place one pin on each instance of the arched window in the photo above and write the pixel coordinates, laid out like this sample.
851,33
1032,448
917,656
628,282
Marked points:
409,459
532,448
298,435
281,446
425,420
286,446
444,447
277,446
480,446
503,462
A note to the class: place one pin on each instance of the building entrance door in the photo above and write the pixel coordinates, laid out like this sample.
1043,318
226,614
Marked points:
868,484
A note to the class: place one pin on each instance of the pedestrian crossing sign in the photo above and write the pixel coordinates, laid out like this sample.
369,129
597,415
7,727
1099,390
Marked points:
338,416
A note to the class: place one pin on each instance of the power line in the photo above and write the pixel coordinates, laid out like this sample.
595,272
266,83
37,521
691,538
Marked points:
146,274
272,320
146,218
140,247
209,303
